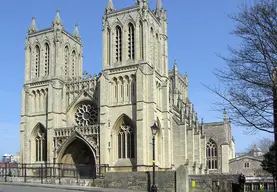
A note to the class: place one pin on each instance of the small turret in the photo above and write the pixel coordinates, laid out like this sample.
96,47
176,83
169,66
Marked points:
159,8
110,6
76,33
175,66
224,115
57,21
33,27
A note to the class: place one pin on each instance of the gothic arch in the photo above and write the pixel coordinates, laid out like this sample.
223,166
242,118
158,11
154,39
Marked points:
141,39
45,40
124,134
37,127
69,141
131,45
36,44
66,59
212,154
128,22
122,118
39,143
77,153
115,24
152,28
73,62
118,43
46,57
67,44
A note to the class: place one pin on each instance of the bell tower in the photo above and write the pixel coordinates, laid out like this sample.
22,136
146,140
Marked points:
136,36
134,83
52,57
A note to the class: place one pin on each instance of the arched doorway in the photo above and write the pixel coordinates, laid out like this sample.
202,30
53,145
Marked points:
78,159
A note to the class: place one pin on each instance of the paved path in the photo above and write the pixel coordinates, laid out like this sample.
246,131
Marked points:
25,187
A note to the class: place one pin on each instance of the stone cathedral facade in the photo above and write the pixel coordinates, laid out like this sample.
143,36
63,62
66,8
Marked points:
70,117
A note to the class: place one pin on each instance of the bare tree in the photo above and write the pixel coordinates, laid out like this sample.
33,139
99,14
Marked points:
248,77
250,74
263,144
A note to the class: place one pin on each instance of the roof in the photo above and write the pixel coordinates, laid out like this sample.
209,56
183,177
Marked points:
246,157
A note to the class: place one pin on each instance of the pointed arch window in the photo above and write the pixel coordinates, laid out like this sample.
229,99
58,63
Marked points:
66,60
37,61
46,59
126,144
152,46
73,63
118,44
109,46
212,155
141,39
131,41
41,145
157,52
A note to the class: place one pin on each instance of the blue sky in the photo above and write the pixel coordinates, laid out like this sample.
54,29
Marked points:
197,30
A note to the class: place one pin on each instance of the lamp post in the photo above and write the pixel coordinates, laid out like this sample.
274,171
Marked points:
154,129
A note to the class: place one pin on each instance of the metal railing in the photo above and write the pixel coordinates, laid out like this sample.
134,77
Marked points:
52,171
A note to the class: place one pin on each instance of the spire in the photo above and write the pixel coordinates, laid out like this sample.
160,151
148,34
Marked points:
110,6
159,8
159,5
57,20
33,27
76,33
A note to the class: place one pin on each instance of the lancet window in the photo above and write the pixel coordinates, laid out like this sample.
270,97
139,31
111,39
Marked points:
46,59
131,41
118,44
66,60
141,40
37,61
109,46
73,63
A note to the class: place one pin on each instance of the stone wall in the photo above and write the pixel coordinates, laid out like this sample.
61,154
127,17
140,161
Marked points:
166,181
62,181
142,181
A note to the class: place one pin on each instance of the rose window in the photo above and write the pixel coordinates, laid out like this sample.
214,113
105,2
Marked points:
86,114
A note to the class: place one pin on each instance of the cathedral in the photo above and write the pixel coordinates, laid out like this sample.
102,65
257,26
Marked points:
70,117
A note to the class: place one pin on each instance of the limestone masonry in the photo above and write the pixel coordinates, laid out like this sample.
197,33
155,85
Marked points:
70,117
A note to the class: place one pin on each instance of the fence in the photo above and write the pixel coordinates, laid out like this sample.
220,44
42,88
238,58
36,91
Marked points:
56,171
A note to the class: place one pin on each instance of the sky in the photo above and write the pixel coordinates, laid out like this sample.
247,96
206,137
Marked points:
198,30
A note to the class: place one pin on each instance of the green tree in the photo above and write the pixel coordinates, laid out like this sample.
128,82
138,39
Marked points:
268,163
